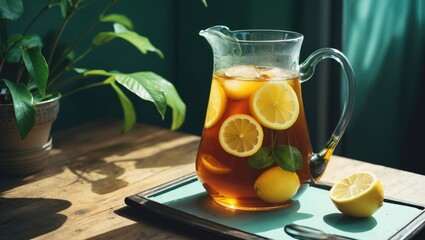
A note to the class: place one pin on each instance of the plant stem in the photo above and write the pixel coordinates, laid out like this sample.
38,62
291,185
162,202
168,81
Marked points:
67,81
65,22
68,67
83,35
84,88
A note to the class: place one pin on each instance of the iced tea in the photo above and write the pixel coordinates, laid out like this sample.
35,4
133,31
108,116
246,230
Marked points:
231,161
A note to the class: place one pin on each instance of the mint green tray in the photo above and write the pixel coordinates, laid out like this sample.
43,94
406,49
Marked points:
185,200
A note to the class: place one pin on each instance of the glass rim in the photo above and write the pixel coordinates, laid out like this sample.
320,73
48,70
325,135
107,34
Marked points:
290,36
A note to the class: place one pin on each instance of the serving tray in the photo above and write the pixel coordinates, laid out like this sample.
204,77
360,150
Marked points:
184,200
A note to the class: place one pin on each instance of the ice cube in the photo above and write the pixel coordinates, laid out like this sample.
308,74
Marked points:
243,71
276,73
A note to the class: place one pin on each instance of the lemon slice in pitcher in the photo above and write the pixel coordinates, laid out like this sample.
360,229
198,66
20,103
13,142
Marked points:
216,104
241,135
275,105
359,194
213,165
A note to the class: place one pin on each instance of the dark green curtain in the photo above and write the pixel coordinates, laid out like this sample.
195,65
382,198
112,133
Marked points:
385,43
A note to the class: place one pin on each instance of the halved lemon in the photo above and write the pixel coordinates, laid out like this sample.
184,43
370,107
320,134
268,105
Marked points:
213,165
359,194
276,185
275,105
241,135
216,104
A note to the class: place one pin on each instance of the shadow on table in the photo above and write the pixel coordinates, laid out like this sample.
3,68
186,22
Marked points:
10,182
155,227
98,161
139,231
20,218
350,224
104,174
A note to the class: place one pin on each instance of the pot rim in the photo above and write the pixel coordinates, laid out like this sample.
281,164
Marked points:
54,96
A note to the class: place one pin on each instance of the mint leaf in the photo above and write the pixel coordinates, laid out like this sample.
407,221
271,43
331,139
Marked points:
262,159
288,157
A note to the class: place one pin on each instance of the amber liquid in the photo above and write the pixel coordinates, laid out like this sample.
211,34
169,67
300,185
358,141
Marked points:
233,188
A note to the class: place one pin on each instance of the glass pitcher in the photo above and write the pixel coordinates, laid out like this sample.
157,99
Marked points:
255,152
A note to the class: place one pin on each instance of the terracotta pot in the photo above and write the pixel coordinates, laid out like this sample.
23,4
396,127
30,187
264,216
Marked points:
22,157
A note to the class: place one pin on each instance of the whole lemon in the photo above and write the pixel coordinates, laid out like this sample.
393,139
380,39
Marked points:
276,185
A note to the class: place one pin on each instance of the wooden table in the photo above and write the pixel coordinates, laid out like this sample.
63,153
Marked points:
92,168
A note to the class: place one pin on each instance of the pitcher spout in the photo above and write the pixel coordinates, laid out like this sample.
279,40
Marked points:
215,31
225,45
220,39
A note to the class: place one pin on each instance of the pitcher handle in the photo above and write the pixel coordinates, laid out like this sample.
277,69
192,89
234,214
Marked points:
319,161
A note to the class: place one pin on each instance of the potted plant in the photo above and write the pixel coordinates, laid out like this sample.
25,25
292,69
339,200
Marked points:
34,76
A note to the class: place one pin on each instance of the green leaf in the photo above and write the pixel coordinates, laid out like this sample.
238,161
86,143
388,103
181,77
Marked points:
145,89
102,38
64,4
11,9
23,105
119,28
172,97
140,42
138,84
118,18
151,87
288,157
262,158
37,67
14,38
29,41
93,72
127,106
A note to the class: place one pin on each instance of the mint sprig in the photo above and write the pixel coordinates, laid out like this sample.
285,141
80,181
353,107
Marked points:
262,158
287,157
